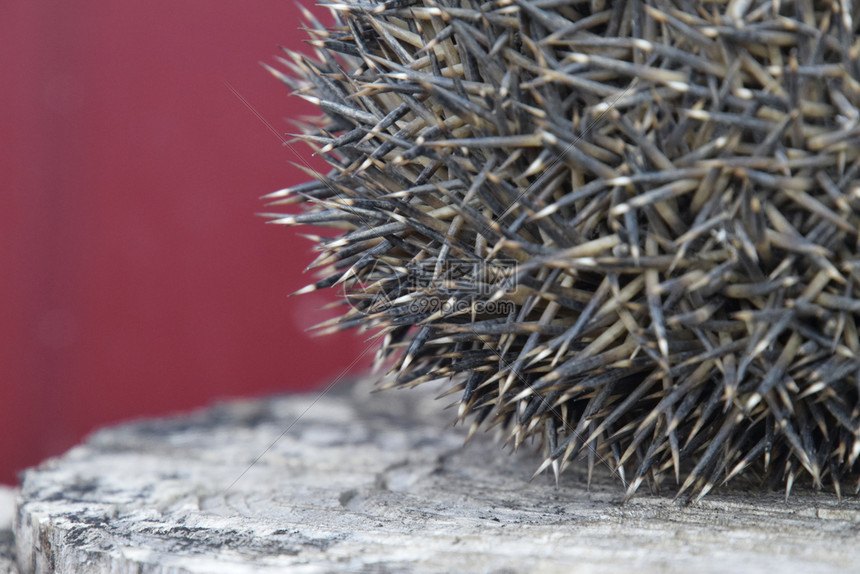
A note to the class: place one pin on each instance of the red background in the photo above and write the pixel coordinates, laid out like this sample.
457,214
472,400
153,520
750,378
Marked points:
137,279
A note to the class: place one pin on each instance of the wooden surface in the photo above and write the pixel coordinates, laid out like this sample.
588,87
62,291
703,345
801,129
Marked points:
7,541
353,482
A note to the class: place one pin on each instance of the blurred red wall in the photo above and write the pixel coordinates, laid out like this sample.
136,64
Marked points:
137,279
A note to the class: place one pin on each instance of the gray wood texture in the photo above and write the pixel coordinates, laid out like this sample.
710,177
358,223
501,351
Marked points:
347,481
7,541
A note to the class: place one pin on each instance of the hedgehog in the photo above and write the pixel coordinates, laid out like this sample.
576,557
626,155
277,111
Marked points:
625,232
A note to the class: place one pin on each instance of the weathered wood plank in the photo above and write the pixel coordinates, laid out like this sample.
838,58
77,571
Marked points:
7,542
380,483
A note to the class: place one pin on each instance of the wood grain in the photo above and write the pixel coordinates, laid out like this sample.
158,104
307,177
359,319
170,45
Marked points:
7,540
354,482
